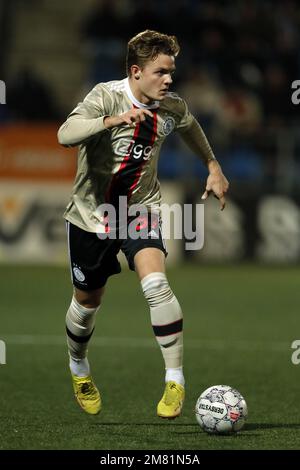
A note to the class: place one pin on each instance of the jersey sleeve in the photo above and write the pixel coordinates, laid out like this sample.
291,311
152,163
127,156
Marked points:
186,118
193,135
87,119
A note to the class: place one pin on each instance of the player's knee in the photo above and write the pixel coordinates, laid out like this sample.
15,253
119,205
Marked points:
156,289
89,299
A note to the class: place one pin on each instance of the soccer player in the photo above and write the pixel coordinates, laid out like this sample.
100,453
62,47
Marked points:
119,129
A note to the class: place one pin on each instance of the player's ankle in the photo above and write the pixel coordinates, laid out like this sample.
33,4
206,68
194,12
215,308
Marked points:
79,367
175,375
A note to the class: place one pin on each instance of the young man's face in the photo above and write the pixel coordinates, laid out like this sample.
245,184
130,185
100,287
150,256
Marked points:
155,78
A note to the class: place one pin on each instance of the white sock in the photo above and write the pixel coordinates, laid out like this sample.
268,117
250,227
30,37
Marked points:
79,367
176,375
166,318
80,323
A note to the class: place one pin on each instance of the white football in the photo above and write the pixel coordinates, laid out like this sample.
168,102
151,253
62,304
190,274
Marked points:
221,409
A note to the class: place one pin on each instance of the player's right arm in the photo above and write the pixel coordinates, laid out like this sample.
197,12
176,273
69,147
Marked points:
87,119
93,116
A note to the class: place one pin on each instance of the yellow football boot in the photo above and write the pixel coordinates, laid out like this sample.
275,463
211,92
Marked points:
170,405
87,394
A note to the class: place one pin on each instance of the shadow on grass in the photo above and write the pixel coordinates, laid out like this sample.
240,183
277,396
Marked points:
165,422
257,426
191,428
249,428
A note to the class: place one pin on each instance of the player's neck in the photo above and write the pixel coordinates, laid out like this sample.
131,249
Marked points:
138,95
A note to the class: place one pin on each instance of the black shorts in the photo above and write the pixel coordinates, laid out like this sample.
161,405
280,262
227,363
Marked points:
93,260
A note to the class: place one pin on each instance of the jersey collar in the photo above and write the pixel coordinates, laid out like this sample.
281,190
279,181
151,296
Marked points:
135,101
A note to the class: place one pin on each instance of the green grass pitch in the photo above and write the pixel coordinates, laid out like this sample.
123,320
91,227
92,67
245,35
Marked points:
239,323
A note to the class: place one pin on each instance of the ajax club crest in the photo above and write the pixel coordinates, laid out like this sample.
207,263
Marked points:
168,125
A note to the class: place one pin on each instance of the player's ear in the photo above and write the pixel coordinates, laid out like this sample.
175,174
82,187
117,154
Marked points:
135,72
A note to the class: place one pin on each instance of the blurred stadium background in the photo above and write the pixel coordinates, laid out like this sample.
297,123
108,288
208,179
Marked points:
236,69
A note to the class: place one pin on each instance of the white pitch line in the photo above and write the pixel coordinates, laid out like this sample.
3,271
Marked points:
134,342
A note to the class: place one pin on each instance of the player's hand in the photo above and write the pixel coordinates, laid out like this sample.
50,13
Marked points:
135,115
216,183
131,117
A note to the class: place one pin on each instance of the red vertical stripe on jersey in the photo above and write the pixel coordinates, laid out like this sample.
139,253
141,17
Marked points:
139,170
126,158
129,172
123,164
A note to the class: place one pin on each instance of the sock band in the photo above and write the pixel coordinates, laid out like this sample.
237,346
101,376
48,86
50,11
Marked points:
79,339
169,329
80,325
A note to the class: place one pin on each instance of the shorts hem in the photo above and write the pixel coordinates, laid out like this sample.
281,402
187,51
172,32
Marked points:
139,248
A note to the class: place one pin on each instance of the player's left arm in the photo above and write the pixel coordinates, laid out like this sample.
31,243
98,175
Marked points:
216,182
192,133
